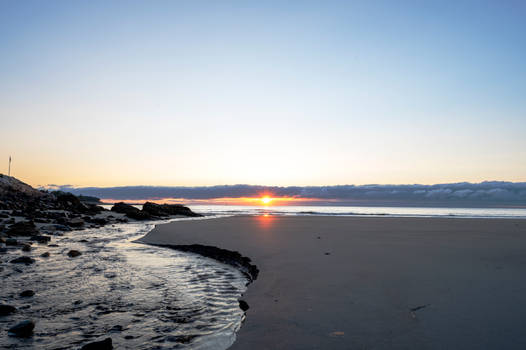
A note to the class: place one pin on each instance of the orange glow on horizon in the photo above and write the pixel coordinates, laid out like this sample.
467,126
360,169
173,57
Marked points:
264,200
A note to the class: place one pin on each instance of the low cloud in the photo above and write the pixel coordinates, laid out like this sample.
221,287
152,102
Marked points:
484,194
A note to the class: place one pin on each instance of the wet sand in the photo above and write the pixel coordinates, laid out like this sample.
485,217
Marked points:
350,282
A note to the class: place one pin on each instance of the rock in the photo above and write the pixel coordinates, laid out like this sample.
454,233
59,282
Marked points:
22,329
26,248
41,238
7,310
243,305
27,293
105,344
140,215
154,209
76,222
11,241
74,253
2,240
99,221
45,255
124,208
116,328
22,228
41,220
55,227
23,260
131,211
167,209
4,216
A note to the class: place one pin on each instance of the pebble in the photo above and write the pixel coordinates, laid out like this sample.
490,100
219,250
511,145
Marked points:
27,293
74,253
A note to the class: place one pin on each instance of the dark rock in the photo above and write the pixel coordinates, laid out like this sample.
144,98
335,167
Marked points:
99,221
22,228
105,344
22,329
74,253
27,293
41,220
11,241
140,215
45,255
76,222
26,248
124,208
131,211
4,216
23,260
7,310
2,240
243,305
117,328
56,227
167,209
41,238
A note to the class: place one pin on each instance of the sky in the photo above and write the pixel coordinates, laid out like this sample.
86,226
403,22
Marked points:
296,93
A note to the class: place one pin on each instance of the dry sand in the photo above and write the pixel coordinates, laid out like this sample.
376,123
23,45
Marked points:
470,274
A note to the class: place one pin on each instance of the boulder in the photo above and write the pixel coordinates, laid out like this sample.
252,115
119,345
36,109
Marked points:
124,208
7,310
22,228
23,260
105,344
45,255
74,253
22,329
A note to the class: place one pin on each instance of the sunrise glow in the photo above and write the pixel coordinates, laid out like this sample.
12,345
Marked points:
266,200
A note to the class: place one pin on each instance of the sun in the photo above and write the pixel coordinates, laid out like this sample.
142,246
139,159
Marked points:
266,200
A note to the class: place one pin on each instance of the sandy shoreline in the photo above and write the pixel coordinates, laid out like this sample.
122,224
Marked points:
350,283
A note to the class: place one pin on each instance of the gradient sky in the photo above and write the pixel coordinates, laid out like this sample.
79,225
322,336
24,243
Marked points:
107,93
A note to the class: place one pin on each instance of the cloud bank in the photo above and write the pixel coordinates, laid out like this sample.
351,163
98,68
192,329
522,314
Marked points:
489,193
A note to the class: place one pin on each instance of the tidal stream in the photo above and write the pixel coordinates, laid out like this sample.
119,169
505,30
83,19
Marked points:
143,297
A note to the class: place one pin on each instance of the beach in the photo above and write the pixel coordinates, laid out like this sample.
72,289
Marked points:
373,282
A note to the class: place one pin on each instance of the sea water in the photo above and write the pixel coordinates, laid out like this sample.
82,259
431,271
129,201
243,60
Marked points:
362,211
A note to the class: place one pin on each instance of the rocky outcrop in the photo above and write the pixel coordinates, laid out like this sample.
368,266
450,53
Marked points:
162,210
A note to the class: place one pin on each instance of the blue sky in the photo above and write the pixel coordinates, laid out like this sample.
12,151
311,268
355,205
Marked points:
197,93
